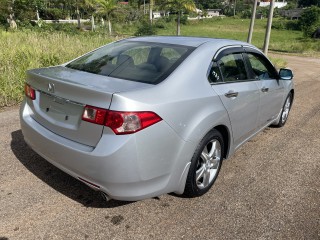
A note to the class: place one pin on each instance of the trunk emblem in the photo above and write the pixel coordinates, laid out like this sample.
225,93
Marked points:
51,87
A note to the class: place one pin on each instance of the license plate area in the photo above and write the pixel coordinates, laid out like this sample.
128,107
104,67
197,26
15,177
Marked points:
60,111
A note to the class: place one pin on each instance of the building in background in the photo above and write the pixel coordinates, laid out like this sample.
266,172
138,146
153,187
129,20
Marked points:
277,4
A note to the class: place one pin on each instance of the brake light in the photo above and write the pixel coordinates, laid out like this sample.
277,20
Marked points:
120,122
130,122
29,91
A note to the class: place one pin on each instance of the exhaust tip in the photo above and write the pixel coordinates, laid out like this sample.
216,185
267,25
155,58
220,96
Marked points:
105,196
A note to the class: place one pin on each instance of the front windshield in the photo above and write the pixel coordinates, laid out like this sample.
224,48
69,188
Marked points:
137,61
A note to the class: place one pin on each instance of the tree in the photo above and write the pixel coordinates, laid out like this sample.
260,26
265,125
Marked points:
105,7
310,20
179,6
151,3
21,9
308,3
210,4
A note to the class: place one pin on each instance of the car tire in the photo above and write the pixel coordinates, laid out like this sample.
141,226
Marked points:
205,165
285,111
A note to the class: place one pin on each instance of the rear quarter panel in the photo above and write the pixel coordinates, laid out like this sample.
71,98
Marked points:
185,100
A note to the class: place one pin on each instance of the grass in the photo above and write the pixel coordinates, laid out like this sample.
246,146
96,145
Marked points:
278,62
280,41
23,50
26,49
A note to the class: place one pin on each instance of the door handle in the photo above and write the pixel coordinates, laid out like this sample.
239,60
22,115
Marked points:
264,89
231,94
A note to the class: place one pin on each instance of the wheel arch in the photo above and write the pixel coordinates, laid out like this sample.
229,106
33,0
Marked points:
226,134
226,138
292,93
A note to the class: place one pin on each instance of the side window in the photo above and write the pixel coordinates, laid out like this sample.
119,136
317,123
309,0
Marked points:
233,68
261,68
214,74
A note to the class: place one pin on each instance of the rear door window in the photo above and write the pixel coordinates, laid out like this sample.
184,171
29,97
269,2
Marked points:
232,68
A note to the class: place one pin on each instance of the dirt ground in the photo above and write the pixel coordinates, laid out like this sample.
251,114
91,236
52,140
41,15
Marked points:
269,189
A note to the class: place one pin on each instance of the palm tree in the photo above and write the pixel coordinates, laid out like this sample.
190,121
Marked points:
180,6
151,3
80,4
105,7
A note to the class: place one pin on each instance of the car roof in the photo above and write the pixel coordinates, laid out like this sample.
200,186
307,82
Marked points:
188,41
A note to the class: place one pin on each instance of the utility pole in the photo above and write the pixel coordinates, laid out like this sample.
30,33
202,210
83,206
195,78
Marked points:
253,17
268,31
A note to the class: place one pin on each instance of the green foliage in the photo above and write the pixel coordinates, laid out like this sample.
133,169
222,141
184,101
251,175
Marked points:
285,24
145,29
125,14
23,50
51,44
53,14
183,20
276,13
308,3
43,27
246,13
54,27
279,62
290,5
310,20
293,25
210,4
179,7
170,18
243,9
238,29
263,10
160,23
25,10
104,7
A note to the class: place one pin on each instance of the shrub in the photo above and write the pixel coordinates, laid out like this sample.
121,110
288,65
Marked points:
284,24
293,25
52,14
183,19
145,28
280,25
310,20
246,13
160,23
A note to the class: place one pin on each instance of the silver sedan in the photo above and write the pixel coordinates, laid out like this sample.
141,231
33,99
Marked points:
145,116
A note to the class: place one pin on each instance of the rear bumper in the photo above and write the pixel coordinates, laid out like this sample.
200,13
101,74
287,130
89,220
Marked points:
126,167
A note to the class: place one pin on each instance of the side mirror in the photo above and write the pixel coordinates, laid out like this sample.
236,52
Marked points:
285,74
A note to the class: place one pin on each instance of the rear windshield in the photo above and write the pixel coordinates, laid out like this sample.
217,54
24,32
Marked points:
136,61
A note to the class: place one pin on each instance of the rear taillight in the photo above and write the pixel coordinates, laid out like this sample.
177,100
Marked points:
130,122
30,92
120,122
94,115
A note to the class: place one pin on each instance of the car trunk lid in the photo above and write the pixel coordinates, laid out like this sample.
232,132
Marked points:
62,94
